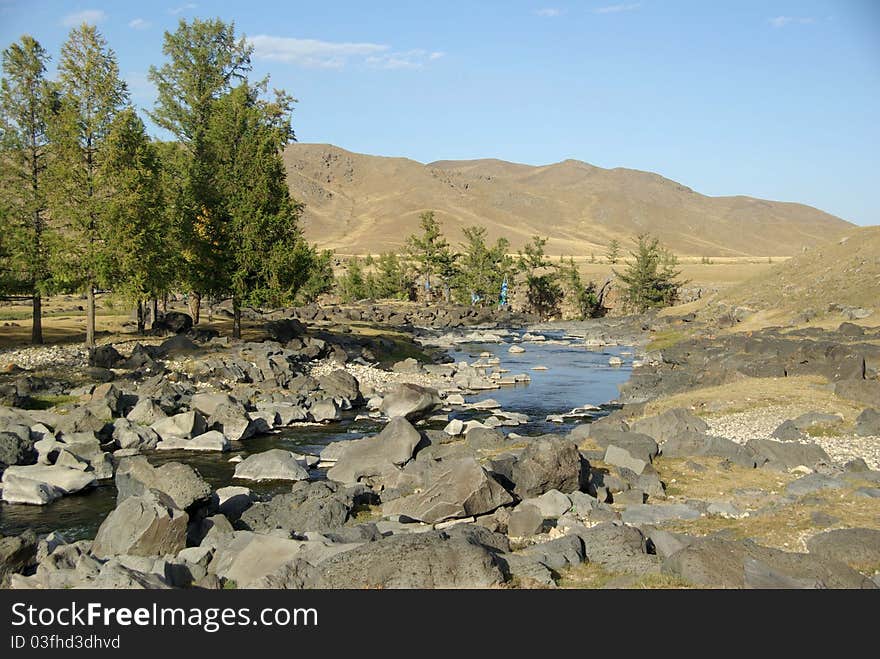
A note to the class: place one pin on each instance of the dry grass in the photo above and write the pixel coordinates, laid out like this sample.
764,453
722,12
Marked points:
803,393
593,576
717,481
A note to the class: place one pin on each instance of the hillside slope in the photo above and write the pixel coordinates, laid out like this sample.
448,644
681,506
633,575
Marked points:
845,273
358,203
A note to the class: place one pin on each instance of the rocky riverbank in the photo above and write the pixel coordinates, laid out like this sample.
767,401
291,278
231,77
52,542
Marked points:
689,495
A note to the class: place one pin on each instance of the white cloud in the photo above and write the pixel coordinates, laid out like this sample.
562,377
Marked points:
182,8
616,9
549,12
139,24
90,16
314,53
782,21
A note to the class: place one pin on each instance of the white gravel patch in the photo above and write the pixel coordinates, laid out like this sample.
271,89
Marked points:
760,423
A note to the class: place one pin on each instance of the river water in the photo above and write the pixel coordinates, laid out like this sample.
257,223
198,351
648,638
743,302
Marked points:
575,377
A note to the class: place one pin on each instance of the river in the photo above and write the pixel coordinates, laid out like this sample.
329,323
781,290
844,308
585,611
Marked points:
575,377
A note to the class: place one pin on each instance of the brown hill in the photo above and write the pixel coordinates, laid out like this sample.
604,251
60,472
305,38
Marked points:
822,285
358,204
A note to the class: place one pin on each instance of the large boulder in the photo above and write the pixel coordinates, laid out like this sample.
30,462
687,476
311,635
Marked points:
184,425
691,444
130,435
670,424
42,484
274,464
213,440
866,392
859,548
545,464
868,423
454,488
434,559
135,476
375,456
318,507
234,422
340,384
284,330
104,356
719,563
16,445
410,401
17,554
146,412
146,525
788,455
175,322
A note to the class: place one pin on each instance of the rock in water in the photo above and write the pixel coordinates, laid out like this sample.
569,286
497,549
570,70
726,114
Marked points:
274,464
145,525
374,456
135,476
410,401
42,484
454,488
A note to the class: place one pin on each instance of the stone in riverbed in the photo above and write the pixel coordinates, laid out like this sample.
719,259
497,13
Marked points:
17,554
146,412
128,434
145,525
42,484
545,464
185,425
855,547
213,440
135,476
410,401
274,464
374,456
454,488
322,411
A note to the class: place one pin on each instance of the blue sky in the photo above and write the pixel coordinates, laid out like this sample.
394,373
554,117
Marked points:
772,99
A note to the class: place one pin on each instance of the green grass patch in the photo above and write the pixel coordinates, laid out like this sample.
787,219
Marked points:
45,402
666,339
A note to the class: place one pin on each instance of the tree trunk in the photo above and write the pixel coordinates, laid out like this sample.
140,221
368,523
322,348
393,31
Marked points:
195,303
90,316
236,318
140,317
155,316
165,303
37,320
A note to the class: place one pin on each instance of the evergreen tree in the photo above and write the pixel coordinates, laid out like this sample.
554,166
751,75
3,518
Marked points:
264,258
482,269
613,253
91,95
651,279
430,253
138,237
205,61
390,279
353,284
320,279
26,101
542,285
584,297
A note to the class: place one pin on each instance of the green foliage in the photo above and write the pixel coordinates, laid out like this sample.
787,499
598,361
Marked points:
651,279
543,291
263,258
353,284
481,269
137,234
613,253
26,103
430,253
390,279
584,297
320,279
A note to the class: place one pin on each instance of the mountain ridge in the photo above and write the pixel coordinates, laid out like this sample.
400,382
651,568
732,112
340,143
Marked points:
358,203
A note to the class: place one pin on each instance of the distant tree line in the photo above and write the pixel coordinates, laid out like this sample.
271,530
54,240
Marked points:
90,203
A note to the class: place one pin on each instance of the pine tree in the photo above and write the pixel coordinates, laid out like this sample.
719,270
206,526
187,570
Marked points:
205,61
390,279
26,101
91,95
613,253
543,290
430,253
353,284
482,269
651,279
138,237
264,258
